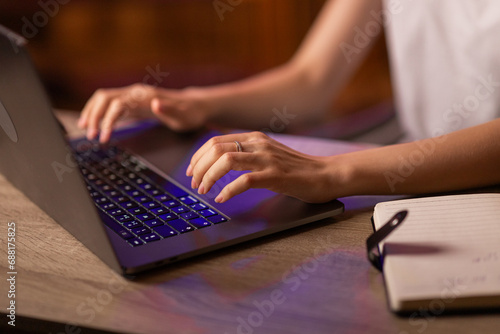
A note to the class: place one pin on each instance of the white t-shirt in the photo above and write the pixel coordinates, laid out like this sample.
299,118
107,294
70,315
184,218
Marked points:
445,63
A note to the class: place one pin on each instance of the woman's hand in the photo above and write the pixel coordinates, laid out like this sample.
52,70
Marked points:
180,110
271,165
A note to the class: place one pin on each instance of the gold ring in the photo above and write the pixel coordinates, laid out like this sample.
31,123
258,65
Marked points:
238,146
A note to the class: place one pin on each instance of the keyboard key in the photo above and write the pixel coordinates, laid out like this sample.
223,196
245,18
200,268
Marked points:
135,242
179,209
145,216
118,181
165,231
132,224
217,219
142,199
126,187
121,171
134,193
150,237
106,188
121,199
137,210
189,215
200,222
124,218
208,213
180,225
199,206
99,183
125,234
114,165
141,230
153,222
108,206
119,229
101,200
171,203
188,200
146,186
151,205
159,211
116,212
163,197
168,216
106,171
95,193
153,192
129,205
113,193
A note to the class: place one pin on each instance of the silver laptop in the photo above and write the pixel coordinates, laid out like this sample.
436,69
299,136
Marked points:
130,204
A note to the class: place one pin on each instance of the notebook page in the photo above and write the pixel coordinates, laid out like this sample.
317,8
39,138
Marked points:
448,247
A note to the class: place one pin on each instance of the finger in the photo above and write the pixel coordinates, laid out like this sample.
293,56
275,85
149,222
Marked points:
242,183
99,108
116,109
226,163
241,137
87,109
82,121
164,110
207,160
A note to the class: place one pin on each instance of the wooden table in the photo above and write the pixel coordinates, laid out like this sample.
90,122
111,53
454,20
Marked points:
314,279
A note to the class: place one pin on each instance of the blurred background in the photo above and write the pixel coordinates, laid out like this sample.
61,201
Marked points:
79,46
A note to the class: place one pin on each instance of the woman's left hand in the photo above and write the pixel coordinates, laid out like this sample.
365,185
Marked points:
271,165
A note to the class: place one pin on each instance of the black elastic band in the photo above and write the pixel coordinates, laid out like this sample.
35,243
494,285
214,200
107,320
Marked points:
373,241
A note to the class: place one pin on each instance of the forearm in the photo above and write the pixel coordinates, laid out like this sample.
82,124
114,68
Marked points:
460,160
306,84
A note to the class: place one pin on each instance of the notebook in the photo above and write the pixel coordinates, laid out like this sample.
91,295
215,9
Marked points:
446,254
131,205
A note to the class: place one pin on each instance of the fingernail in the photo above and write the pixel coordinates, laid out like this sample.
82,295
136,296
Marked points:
104,136
80,123
201,190
91,133
103,139
219,199
193,184
189,170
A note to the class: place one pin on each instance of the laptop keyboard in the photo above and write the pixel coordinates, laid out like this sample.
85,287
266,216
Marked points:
137,203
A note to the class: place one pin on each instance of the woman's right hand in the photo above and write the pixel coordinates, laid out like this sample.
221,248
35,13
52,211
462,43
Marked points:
180,110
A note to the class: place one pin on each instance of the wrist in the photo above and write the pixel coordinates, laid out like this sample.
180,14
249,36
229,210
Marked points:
205,100
340,176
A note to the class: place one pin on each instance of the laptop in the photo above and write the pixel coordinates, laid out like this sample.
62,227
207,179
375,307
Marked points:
130,204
